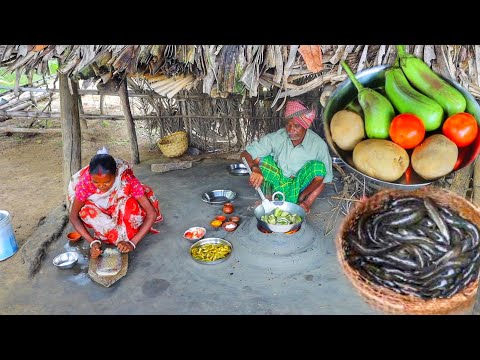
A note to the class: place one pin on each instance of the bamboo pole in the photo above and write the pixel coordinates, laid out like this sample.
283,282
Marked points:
22,98
26,104
132,135
183,110
71,133
9,129
56,115
102,104
144,94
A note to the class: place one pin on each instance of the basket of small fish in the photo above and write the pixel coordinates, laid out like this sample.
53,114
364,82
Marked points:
413,252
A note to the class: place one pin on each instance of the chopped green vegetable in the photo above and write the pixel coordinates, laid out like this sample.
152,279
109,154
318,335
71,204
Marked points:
281,217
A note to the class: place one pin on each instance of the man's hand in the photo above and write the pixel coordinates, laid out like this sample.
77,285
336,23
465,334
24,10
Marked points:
256,178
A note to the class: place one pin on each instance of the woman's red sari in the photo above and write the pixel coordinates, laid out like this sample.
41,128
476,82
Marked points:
114,215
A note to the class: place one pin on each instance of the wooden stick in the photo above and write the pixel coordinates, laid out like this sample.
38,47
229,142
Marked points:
71,133
29,130
130,93
342,198
55,115
132,135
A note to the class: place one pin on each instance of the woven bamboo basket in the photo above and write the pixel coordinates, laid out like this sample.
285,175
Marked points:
385,299
174,145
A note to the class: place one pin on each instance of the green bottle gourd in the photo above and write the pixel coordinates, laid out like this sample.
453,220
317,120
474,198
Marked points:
378,112
429,83
406,99
355,107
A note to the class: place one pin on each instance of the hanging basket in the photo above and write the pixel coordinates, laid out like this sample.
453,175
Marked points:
385,299
174,145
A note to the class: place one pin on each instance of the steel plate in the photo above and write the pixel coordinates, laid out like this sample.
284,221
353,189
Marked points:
211,241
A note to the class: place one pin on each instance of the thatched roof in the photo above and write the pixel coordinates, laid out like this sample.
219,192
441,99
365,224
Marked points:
221,70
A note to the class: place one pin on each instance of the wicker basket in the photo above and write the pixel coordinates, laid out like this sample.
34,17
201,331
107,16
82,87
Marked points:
174,145
387,300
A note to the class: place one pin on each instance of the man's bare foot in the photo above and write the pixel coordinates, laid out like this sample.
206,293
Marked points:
305,206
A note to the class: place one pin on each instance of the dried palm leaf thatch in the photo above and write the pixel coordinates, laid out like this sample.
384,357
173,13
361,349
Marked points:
312,55
224,70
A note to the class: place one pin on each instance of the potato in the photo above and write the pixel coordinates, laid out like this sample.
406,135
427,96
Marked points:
380,159
434,157
347,129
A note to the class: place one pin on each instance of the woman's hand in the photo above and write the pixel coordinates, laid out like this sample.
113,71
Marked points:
124,246
95,250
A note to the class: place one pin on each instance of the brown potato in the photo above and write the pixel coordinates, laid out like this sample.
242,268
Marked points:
380,159
434,157
347,129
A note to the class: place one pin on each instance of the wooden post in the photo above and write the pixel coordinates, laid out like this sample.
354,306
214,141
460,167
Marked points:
132,135
315,105
71,133
83,122
102,102
183,111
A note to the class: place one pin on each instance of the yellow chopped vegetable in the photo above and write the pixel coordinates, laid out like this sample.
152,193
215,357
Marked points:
211,252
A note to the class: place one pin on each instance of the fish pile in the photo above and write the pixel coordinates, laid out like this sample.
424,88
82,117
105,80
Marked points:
414,246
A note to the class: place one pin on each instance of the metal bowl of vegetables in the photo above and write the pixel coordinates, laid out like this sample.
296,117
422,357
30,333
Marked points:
211,251
285,217
345,95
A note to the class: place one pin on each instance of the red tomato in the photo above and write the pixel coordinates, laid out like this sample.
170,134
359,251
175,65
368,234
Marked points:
461,128
188,235
407,130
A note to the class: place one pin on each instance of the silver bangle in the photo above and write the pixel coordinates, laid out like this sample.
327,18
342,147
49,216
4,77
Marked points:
134,246
95,241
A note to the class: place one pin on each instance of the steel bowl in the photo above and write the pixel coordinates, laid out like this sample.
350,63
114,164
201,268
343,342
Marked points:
374,77
200,230
237,169
216,197
211,241
65,260
285,206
